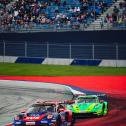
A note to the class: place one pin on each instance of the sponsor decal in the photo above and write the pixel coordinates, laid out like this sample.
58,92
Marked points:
32,118
83,111
30,123
54,120
44,121
17,122
76,108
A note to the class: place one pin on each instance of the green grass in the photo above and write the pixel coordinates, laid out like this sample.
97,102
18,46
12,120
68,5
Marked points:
57,70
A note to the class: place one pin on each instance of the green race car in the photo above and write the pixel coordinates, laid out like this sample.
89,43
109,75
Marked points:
87,105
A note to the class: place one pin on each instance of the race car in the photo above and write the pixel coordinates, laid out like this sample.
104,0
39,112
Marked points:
88,105
47,113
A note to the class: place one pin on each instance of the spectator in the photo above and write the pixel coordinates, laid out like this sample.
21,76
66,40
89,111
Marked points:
30,13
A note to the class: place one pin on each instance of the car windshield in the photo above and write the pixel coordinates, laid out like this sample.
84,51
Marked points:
41,108
87,100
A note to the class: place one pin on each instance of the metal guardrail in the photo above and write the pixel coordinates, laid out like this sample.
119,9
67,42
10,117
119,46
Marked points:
69,51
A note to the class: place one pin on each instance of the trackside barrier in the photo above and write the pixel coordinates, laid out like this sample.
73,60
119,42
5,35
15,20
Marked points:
105,63
64,54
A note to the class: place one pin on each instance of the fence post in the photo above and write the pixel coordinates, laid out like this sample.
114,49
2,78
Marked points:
117,54
47,51
93,51
25,48
4,50
70,52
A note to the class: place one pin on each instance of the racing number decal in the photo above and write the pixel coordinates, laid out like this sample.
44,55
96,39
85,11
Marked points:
76,108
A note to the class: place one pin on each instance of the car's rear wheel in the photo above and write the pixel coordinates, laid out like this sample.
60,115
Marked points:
102,112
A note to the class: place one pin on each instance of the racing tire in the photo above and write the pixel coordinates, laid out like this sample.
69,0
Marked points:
103,109
107,110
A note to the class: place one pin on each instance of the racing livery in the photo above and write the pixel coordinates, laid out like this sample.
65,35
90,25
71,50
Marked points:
45,113
87,105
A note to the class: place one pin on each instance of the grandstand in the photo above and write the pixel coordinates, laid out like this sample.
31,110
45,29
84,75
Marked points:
61,15
67,32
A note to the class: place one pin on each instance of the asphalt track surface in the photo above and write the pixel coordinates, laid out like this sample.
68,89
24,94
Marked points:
113,86
17,95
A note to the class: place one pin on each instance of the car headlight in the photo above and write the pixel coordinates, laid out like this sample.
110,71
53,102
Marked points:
16,117
96,106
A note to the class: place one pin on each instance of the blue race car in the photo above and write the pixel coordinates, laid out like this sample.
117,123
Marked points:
47,113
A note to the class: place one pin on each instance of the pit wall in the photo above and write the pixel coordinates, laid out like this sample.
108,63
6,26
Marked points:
61,61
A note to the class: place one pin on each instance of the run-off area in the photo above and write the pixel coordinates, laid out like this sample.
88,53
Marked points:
17,95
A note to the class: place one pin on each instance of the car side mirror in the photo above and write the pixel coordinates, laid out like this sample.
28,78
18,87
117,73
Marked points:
101,101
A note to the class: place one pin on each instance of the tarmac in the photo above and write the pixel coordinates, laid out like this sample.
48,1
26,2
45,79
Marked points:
17,95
